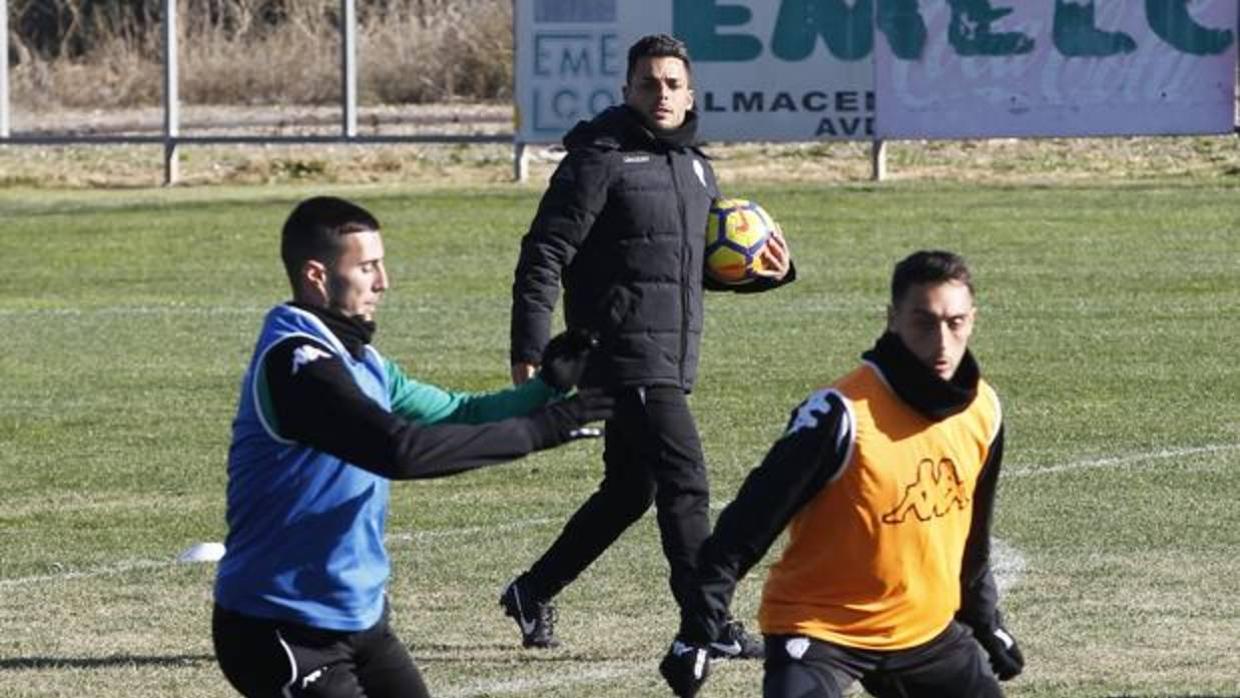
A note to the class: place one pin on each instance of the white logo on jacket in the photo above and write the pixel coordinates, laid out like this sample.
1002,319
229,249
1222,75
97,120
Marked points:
305,354
796,647
312,677
700,172
808,413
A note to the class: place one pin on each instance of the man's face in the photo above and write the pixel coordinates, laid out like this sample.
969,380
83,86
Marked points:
659,90
935,321
357,280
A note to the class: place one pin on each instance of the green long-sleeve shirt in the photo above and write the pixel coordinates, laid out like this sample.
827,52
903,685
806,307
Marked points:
429,404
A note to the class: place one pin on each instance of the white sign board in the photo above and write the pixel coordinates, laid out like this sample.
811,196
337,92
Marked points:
780,70
982,68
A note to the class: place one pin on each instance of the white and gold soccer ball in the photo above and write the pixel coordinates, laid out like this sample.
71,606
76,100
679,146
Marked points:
736,232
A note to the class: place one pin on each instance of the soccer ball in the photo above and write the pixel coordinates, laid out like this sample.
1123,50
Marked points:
736,232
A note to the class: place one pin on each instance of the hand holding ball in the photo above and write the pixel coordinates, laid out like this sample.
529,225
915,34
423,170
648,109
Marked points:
737,234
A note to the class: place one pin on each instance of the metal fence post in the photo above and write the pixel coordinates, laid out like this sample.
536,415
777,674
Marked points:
4,68
348,67
878,160
172,99
520,161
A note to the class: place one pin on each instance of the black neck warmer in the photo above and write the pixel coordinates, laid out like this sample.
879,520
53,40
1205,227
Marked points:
920,386
682,136
354,333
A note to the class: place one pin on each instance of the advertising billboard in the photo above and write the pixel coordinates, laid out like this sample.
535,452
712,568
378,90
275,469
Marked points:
806,70
983,68
796,70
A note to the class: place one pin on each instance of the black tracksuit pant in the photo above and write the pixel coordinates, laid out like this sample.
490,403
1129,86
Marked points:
951,665
652,453
276,659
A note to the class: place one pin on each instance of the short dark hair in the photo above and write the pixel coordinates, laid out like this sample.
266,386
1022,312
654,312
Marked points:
314,230
658,46
929,267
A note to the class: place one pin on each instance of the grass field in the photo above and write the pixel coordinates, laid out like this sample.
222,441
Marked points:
1110,317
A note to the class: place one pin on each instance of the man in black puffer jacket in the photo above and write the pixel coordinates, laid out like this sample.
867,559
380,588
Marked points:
622,227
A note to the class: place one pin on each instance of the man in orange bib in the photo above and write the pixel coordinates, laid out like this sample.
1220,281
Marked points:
885,480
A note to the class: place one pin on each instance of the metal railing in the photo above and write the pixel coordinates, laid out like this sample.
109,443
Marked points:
172,139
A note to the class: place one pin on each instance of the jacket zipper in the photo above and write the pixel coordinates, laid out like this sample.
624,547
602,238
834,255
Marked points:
684,268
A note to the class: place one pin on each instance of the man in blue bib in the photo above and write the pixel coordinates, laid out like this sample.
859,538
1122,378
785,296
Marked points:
324,423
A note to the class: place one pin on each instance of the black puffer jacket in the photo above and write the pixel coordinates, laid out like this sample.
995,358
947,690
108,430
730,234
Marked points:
622,227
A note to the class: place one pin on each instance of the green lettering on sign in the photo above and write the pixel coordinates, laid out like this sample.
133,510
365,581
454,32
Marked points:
695,21
970,34
1076,34
846,30
1171,21
901,22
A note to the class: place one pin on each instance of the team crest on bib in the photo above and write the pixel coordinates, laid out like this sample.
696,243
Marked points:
700,172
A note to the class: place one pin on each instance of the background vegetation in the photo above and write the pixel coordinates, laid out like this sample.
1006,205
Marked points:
107,53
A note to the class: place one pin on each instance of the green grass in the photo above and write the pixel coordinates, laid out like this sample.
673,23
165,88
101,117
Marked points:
1109,321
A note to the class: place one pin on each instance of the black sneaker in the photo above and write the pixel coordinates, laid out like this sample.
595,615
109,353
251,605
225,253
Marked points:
735,643
536,618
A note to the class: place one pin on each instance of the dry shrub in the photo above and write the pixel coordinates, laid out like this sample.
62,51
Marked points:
269,51
236,57
450,50
111,66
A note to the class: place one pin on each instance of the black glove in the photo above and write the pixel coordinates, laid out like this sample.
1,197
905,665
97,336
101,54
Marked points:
565,420
685,668
564,359
1001,647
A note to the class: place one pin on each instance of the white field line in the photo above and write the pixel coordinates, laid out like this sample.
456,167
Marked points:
470,530
131,565
1027,471
1007,564
175,309
118,568
592,675
136,310
1118,461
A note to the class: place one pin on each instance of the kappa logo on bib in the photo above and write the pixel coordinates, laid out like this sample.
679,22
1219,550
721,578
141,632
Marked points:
937,491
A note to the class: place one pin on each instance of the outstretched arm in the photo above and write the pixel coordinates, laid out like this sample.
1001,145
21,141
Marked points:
321,406
429,404
563,363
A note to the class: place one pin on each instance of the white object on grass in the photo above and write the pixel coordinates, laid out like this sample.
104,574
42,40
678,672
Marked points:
202,552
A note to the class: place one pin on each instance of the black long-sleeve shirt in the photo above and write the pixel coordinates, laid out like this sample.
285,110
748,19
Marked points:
321,406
